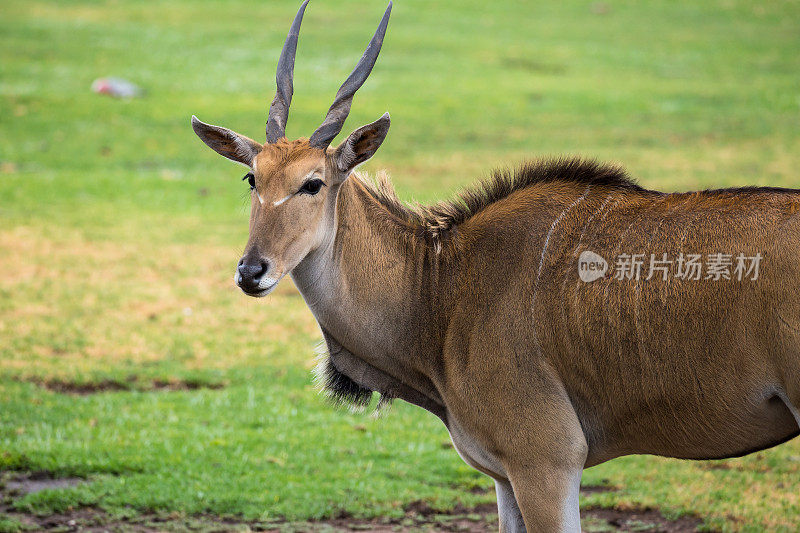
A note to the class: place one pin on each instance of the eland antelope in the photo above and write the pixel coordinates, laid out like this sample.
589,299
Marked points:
523,314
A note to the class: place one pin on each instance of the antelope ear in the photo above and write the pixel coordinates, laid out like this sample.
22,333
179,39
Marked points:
361,144
227,143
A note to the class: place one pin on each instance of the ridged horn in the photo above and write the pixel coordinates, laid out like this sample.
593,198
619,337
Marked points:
284,79
337,114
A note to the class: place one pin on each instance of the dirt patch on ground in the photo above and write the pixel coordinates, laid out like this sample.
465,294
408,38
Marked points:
130,384
419,516
27,483
482,519
595,489
652,521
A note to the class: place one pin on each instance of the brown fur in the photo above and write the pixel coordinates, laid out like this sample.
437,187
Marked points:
473,310
284,151
506,342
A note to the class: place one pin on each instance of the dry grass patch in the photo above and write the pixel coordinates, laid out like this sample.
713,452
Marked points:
76,306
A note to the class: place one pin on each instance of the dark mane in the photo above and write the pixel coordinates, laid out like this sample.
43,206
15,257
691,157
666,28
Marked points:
437,219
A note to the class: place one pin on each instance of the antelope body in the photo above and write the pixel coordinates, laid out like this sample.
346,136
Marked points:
475,310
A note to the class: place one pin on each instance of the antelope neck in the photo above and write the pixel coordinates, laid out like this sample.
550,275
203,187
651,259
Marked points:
366,289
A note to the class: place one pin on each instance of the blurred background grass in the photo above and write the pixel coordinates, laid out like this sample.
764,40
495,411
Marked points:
120,231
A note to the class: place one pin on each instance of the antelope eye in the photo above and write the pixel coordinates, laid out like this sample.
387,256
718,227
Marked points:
251,180
312,186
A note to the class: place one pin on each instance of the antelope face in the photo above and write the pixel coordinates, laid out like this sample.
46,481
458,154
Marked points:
289,188
294,184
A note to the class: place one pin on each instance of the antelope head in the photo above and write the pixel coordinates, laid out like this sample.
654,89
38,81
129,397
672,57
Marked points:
294,184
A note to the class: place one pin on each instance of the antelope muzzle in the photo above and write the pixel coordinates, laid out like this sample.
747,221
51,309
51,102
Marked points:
251,275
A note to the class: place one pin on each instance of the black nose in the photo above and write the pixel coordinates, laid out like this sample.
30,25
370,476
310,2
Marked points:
250,273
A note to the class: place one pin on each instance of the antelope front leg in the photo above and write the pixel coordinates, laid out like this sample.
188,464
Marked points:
544,462
547,496
507,509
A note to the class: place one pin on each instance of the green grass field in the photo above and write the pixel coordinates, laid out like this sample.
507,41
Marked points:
120,231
